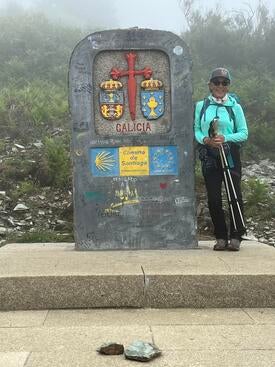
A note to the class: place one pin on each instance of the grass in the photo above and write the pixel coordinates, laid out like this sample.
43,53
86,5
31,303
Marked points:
40,236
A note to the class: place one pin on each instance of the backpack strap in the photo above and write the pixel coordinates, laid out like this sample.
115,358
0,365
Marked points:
206,103
232,116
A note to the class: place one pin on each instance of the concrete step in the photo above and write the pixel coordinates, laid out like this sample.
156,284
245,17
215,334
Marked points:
52,276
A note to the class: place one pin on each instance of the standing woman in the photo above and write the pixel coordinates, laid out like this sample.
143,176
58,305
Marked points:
230,131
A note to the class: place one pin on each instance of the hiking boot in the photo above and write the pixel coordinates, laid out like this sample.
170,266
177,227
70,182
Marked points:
234,244
220,245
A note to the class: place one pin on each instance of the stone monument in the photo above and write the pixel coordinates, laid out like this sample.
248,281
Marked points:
132,133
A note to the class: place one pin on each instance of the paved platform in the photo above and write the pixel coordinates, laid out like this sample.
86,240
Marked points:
55,276
187,337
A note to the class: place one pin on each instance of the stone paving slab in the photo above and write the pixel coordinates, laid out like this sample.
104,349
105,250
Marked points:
22,318
38,247
13,359
52,276
215,337
63,318
262,315
182,358
253,258
69,339
187,337
74,359
61,259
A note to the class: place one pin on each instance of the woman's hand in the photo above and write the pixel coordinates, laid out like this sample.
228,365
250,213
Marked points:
214,142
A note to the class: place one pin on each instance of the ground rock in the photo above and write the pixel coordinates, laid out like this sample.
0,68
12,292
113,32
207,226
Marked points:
2,230
141,351
111,348
20,207
19,146
38,144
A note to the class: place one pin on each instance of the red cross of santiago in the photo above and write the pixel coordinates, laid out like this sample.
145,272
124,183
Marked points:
132,84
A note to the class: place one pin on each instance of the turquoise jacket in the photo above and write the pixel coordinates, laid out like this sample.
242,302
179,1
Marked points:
225,125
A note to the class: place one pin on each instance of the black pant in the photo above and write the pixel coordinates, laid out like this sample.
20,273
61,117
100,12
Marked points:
213,177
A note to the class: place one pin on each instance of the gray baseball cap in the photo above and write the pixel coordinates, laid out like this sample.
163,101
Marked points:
220,73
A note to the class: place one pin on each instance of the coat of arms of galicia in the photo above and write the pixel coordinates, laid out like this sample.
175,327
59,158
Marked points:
111,99
152,99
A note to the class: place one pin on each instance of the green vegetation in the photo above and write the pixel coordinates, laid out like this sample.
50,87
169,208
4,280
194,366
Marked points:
259,203
57,162
2,146
16,169
35,55
41,236
28,111
34,65
23,188
34,60
34,49
243,42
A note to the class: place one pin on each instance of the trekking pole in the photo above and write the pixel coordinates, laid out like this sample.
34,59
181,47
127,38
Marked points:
212,133
227,170
228,194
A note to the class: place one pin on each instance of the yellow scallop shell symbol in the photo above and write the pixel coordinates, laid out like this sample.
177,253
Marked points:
104,161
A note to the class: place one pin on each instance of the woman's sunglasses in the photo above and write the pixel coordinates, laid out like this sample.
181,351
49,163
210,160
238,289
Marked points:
218,82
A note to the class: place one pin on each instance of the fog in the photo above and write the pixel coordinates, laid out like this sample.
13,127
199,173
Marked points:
35,164
107,14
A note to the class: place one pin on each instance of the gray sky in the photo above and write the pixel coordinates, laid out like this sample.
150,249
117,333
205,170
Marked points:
163,14
167,15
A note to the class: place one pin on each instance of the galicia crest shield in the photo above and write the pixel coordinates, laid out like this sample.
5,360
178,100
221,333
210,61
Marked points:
111,100
152,99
